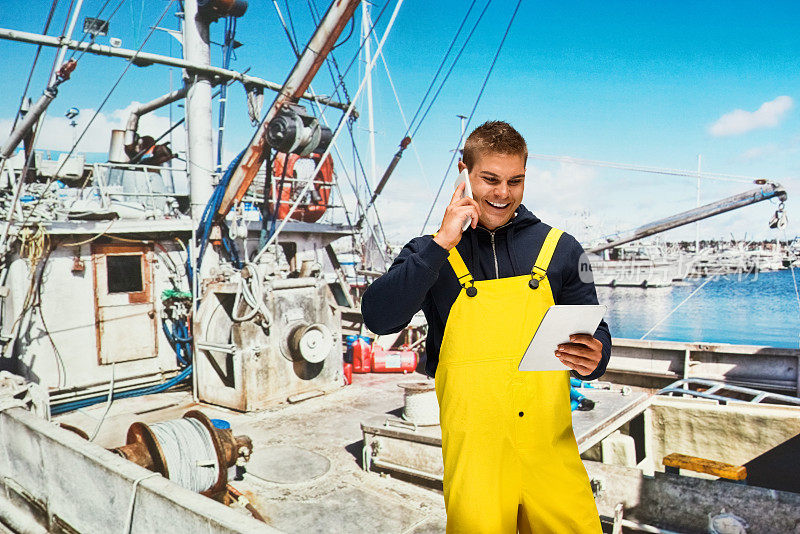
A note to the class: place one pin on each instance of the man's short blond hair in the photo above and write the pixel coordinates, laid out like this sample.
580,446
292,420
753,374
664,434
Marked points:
497,137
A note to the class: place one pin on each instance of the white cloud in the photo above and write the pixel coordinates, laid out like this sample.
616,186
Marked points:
57,134
567,197
739,121
758,152
771,151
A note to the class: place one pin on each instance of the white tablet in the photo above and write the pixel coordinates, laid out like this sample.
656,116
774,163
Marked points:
559,322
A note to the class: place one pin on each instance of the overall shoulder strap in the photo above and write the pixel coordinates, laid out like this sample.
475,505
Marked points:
460,268
546,253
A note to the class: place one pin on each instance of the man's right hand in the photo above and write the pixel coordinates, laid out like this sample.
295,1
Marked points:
450,231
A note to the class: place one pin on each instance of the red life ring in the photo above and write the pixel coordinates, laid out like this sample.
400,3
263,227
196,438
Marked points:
314,208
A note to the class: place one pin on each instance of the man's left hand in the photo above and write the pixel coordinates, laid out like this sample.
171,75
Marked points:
583,353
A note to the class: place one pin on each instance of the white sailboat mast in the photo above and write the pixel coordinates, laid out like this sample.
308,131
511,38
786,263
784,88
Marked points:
366,24
697,224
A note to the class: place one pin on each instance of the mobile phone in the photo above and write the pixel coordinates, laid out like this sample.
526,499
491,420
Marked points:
464,177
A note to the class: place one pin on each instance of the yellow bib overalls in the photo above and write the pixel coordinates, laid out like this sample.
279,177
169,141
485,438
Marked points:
510,456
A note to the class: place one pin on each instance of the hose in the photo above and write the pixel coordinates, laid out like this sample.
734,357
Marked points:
577,383
179,339
83,403
579,402
253,296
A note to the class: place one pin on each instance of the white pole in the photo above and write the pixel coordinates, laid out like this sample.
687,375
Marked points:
697,224
198,110
62,52
366,23
199,142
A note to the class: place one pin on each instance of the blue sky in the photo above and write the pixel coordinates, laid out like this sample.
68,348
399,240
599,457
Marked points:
651,84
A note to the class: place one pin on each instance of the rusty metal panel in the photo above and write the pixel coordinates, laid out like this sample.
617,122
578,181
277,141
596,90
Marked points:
125,314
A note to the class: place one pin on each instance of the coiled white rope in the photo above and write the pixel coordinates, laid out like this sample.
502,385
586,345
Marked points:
189,453
421,405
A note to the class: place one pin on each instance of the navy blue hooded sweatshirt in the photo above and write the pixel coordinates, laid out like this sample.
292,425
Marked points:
422,278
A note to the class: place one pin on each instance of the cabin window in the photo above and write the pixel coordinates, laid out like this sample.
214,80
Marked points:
124,273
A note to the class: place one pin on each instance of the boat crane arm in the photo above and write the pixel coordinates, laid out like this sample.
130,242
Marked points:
766,191
321,43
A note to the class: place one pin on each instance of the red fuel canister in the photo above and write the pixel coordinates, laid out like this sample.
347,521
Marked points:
362,356
393,361
348,373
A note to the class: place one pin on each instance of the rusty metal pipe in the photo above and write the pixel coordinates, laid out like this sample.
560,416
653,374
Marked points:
30,118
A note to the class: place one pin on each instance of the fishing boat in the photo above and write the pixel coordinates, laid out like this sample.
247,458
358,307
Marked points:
173,356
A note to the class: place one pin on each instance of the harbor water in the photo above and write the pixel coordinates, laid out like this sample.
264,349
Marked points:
755,309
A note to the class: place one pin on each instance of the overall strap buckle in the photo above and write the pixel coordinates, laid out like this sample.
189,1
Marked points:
537,275
462,273
539,271
471,290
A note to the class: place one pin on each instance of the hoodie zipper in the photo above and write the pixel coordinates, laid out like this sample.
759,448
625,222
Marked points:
494,253
494,250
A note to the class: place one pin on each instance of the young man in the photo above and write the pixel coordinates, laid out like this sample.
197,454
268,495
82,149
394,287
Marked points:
510,457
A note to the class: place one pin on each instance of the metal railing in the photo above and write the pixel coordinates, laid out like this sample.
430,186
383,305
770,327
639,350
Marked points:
149,185
716,388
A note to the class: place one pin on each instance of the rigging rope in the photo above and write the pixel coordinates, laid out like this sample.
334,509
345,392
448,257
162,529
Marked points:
358,52
641,168
678,306
338,131
33,67
330,59
444,60
472,113
405,123
227,50
450,70
286,29
63,34
291,24
91,36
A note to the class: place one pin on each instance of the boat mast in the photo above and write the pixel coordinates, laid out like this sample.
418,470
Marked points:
67,37
697,224
199,146
366,24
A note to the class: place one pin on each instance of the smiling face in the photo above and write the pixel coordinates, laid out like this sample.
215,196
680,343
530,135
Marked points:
497,181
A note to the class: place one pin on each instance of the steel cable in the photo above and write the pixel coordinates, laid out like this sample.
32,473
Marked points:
189,453
471,114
